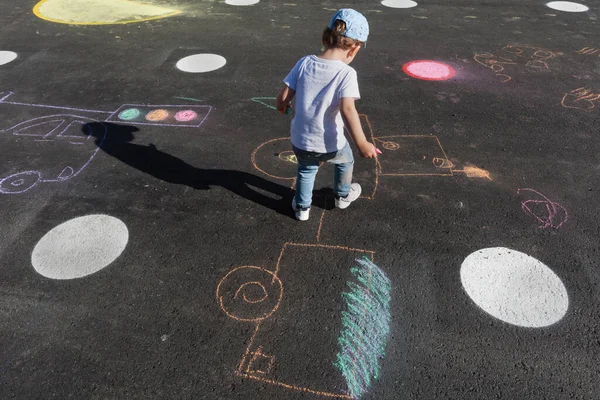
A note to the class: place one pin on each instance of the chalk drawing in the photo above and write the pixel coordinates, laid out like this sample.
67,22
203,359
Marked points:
80,247
157,115
63,132
99,12
275,159
548,213
589,51
399,3
567,6
428,70
199,63
59,131
365,327
514,287
129,114
262,160
241,2
256,295
260,100
186,116
472,171
191,116
249,294
187,98
288,156
413,155
581,98
517,57
7,56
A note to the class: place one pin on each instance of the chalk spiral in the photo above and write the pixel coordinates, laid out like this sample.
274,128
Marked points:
249,293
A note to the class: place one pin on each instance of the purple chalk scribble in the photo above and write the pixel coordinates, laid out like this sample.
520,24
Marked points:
547,212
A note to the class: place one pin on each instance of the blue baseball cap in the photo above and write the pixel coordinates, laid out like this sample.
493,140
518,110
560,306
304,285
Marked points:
357,27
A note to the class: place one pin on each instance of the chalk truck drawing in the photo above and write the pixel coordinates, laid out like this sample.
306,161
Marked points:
326,340
62,131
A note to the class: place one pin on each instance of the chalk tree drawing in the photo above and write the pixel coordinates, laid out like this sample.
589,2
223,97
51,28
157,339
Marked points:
365,327
63,132
311,364
515,57
99,12
581,98
547,212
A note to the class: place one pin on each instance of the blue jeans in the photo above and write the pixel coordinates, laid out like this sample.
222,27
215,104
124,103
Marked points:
308,166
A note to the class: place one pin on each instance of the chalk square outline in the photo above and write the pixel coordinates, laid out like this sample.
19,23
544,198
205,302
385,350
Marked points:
381,173
117,120
240,370
256,355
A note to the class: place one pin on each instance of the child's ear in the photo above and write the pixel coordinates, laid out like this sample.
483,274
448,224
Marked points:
353,50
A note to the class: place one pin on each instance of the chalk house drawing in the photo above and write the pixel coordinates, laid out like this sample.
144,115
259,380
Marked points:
341,361
99,12
62,131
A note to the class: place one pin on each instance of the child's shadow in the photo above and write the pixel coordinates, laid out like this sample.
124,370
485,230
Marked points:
151,160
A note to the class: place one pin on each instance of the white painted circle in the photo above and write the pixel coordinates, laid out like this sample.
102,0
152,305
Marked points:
399,3
567,6
201,63
241,2
7,56
514,287
80,247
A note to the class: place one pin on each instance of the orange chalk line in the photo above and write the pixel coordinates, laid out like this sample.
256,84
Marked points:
445,156
587,50
326,246
253,158
417,175
244,294
247,352
293,387
321,221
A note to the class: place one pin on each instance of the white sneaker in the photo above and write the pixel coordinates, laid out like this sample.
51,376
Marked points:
344,202
301,213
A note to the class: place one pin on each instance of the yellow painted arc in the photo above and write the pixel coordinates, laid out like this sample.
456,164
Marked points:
99,12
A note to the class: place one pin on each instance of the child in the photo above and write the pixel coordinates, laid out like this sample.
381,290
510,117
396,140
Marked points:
326,87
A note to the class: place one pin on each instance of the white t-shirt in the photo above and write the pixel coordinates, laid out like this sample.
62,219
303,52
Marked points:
319,85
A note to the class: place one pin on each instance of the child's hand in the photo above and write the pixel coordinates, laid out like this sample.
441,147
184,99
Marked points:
286,110
367,150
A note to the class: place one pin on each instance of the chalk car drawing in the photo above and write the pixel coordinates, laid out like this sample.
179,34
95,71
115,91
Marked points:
52,148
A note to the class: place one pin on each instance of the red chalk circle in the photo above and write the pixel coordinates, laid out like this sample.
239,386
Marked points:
428,70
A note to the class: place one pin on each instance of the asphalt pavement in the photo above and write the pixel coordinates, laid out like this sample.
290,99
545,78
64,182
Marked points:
148,249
